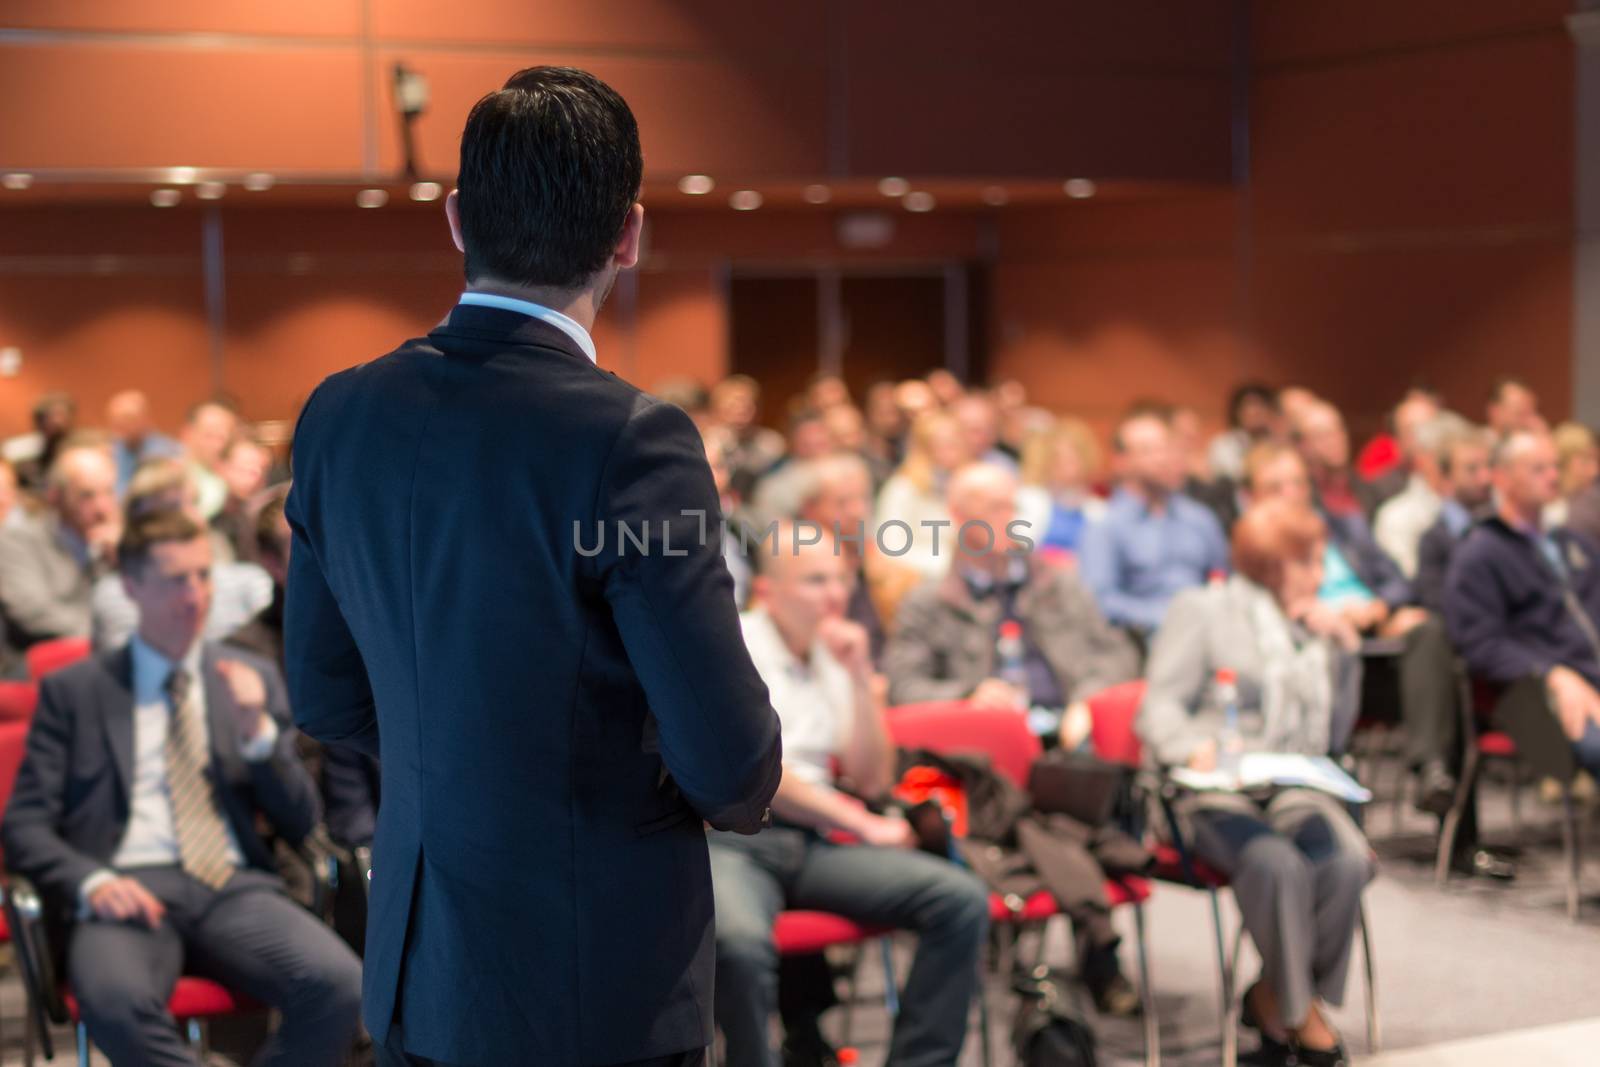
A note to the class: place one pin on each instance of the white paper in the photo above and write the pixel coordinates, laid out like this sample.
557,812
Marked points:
1259,770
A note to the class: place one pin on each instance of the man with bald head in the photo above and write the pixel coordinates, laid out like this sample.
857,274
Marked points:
48,564
1523,605
945,648
135,437
818,671
1154,541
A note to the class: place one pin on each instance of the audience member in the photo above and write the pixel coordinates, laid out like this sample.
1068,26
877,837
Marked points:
1386,460
944,643
1320,434
688,394
1059,466
1253,417
886,423
33,454
916,398
12,512
838,498
735,402
1153,541
847,430
979,420
238,590
1578,459
947,388
1513,406
1297,861
818,670
134,436
1016,417
1583,514
776,493
1521,602
135,811
915,495
1468,495
735,541
207,433
49,562
826,392
1401,520
246,464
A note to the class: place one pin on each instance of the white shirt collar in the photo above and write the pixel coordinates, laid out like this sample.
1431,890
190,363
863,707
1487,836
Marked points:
564,323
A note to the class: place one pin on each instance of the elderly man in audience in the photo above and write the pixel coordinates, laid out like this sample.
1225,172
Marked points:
239,590
1154,541
1401,520
1523,604
1319,432
135,438
135,811
49,563
816,665
1365,588
1296,859
1467,484
207,433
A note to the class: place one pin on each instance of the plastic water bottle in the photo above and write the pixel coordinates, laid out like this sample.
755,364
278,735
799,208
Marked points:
1009,657
1230,743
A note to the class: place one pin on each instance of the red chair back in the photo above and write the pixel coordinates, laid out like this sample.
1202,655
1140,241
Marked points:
1113,712
956,726
18,700
48,656
13,743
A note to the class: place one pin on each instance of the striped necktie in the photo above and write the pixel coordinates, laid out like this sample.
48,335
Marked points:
202,835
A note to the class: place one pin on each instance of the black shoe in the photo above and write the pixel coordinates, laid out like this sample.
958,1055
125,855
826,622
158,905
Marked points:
1300,1056
1481,863
1116,996
808,1050
1436,789
1272,1051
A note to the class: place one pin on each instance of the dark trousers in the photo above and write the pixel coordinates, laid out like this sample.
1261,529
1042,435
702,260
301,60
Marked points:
393,1054
249,937
1429,696
754,878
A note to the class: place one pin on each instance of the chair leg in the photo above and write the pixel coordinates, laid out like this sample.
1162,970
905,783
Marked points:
28,1037
1516,799
1152,1024
1374,1030
850,998
1569,834
1452,820
1230,1053
891,992
197,1037
1230,1018
983,1015
83,1045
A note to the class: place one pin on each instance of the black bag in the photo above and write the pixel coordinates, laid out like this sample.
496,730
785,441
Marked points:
1078,784
1048,1033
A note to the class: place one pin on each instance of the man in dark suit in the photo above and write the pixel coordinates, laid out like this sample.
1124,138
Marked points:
505,569
135,812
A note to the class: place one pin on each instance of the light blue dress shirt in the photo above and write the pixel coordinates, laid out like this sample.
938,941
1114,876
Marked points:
1135,559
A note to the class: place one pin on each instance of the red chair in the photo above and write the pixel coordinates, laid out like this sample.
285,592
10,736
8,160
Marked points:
18,701
1112,734
1003,736
48,656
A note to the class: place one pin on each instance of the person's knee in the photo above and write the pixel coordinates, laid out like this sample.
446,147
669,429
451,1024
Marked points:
960,904
1350,870
112,1004
1275,861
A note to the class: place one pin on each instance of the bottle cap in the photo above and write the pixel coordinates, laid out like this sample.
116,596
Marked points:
1011,628
846,1056
1225,676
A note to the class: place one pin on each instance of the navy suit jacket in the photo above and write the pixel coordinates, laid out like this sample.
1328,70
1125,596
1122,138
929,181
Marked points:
70,806
556,708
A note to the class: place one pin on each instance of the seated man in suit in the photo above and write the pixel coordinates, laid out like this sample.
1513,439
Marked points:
816,665
1463,459
135,812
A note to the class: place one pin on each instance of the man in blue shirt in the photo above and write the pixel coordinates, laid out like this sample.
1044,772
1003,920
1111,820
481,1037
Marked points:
1154,542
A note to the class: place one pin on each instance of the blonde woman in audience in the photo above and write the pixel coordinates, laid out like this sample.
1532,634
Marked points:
1296,859
1580,465
915,495
1059,465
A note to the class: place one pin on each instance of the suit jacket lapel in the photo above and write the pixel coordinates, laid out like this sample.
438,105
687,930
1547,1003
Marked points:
116,703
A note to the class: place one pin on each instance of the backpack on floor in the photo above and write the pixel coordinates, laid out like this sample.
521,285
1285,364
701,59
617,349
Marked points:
1048,1033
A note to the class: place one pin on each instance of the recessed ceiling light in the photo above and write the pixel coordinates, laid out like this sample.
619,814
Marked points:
17,181
372,198
1079,188
211,190
919,202
259,182
165,197
181,175
817,194
423,192
696,184
745,200
995,195
894,187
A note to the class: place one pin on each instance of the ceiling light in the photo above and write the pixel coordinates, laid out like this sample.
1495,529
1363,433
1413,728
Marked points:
424,192
181,175
745,200
17,181
817,194
259,182
919,202
165,197
211,190
995,195
696,184
1079,188
372,198
894,187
